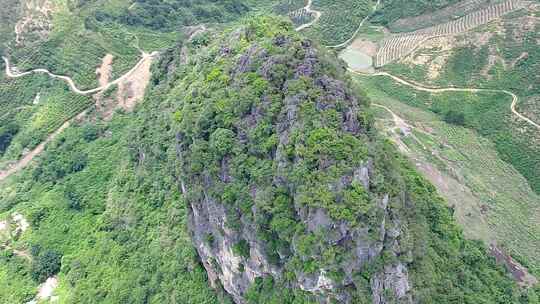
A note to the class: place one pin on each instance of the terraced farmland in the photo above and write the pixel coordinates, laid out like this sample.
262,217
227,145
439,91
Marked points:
459,9
491,199
400,45
339,19
36,106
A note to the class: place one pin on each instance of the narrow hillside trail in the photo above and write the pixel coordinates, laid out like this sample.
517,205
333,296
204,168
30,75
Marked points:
13,74
424,88
318,15
310,11
403,127
144,62
337,46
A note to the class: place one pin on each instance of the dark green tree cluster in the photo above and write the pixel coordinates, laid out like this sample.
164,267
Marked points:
261,113
168,15
106,208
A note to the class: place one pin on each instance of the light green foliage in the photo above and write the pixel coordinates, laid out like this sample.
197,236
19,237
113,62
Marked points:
119,224
241,249
392,10
35,106
339,19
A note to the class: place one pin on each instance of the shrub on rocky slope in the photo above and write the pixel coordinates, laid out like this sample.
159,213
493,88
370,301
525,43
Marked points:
292,195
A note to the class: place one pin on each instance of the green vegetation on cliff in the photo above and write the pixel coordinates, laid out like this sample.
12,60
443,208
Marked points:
263,125
270,133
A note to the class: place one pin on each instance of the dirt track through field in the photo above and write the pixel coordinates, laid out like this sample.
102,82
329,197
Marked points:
318,15
310,11
140,72
143,63
23,162
420,87
13,74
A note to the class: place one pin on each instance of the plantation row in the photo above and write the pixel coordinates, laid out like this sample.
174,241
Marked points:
398,46
286,7
339,19
446,14
75,51
35,106
301,16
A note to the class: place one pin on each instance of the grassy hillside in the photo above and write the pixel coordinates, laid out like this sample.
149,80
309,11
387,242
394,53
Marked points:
106,213
492,200
507,58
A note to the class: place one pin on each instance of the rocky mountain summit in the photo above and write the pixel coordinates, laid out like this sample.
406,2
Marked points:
291,193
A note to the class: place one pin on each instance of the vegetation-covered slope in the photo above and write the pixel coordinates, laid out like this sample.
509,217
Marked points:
288,184
392,10
501,55
492,200
257,142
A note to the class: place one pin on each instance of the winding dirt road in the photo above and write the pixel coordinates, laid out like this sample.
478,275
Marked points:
318,15
337,46
420,87
145,61
13,74
310,11
23,162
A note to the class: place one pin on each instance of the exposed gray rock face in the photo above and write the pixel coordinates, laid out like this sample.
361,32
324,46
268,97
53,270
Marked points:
215,241
393,278
338,243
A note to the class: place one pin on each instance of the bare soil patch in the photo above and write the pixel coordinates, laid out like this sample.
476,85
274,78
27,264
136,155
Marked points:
519,273
131,89
105,70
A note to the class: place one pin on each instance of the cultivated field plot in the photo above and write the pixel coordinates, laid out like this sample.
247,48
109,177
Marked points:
33,107
446,14
295,10
400,45
339,19
492,200
76,53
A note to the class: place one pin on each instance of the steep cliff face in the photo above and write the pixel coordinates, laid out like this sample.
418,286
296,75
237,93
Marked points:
291,193
286,188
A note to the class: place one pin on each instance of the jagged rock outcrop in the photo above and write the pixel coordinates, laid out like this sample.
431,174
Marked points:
305,211
293,197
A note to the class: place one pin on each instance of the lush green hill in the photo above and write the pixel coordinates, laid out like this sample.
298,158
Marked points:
507,58
252,171
106,197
